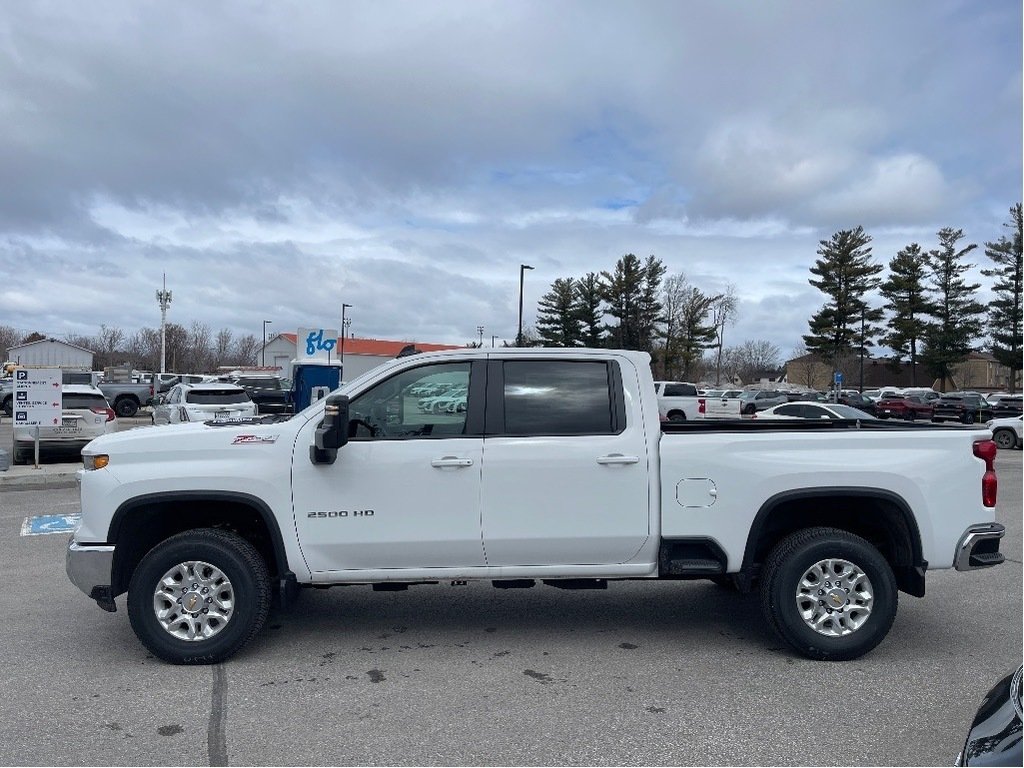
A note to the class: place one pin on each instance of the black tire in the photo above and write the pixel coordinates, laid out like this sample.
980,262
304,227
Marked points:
786,566
1005,438
239,562
968,418
126,407
8,406
909,415
750,409
676,416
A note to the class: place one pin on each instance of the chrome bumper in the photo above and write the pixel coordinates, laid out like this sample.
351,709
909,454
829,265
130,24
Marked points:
979,547
89,567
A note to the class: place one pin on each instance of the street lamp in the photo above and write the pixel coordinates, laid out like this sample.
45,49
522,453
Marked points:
344,325
263,353
519,335
480,330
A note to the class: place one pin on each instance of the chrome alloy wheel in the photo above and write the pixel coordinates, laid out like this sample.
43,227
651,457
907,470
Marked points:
193,601
834,597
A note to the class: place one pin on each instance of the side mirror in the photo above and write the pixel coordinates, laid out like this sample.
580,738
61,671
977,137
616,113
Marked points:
333,433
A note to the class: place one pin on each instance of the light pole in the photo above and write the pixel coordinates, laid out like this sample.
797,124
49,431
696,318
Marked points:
263,353
519,335
163,298
341,352
862,349
480,330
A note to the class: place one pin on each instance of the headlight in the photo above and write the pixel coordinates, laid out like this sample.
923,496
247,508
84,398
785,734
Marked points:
95,461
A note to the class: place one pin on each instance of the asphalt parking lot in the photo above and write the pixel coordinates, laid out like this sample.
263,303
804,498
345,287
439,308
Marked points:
659,673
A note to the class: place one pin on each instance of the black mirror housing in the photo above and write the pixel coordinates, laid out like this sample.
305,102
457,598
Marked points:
333,433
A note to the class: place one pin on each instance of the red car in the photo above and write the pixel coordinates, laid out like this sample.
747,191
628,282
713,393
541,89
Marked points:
909,407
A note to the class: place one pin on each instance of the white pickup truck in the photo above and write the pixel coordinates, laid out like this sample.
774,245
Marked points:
557,471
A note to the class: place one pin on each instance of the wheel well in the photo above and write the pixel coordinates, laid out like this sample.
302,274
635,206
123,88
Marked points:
883,521
138,529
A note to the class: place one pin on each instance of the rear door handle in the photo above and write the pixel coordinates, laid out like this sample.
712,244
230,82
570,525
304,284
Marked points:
617,458
451,461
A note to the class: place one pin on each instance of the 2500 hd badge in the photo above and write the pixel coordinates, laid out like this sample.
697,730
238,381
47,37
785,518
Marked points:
342,513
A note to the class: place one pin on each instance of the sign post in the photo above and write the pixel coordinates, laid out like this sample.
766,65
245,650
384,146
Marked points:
37,400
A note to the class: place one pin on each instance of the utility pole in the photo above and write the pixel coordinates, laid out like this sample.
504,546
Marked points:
861,348
263,352
344,325
164,300
480,330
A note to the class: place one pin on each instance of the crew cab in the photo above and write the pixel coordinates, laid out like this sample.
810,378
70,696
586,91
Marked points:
558,471
678,400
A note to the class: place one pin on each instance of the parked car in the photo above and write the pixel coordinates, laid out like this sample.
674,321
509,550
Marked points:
927,394
268,392
995,734
811,410
677,400
1007,405
85,414
965,407
753,400
218,401
1006,432
859,401
908,407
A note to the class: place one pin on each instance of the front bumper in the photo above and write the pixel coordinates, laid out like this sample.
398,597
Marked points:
979,547
89,567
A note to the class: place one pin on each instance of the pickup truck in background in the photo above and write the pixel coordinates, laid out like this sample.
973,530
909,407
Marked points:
677,400
268,392
558,471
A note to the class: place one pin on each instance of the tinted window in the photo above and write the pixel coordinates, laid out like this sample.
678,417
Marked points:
82,402
260,383
217,396
429,401
790,410
557,398
680,390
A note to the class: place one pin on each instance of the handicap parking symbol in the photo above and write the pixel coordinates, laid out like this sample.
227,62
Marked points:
41,525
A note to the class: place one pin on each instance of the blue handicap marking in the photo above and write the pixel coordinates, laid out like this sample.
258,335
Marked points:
40,525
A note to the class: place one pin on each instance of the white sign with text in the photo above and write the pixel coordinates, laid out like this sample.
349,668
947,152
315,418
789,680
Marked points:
316,344
37,397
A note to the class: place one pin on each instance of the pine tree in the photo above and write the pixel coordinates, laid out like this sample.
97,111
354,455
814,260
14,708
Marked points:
1004,313
631,292
846,275
956,315
558,322
588,310
908,305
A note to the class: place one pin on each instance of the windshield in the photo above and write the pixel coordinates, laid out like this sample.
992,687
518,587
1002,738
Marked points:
848,412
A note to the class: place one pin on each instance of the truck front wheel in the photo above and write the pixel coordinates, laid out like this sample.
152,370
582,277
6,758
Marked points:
199,596
828,593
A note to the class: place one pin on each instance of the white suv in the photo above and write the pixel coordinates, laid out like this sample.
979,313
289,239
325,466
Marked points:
215,401
85,414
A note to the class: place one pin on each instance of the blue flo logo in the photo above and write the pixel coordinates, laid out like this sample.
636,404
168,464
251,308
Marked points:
315,341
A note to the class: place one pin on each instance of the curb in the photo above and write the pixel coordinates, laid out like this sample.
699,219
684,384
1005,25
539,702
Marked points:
62,478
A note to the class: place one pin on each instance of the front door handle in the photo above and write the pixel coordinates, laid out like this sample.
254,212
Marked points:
617,458
451,461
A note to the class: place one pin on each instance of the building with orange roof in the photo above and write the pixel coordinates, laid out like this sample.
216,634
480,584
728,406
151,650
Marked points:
361,355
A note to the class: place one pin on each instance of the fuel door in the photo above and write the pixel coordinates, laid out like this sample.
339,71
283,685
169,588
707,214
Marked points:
696,492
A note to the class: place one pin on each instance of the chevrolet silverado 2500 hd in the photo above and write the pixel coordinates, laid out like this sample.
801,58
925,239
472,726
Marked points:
557,470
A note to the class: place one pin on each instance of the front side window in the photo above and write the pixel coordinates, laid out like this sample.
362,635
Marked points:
548,397
429,401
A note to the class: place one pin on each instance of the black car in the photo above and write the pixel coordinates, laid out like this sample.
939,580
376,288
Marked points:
1007,406
965,407
995,735
268,392
858,401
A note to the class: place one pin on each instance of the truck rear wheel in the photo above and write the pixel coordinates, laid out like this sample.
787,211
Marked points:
126,407
828,593
676,416
199,596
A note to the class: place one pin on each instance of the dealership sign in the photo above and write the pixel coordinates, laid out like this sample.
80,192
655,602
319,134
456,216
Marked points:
37,397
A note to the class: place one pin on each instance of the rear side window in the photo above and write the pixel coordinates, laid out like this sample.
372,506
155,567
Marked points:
680,390
82,402
555,397
217,396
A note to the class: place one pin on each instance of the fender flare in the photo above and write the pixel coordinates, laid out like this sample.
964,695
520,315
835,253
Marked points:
163,497
881,494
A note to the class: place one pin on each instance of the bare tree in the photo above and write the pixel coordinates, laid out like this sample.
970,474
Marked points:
221,347
723,314
200,350
9,337
245,350
108,343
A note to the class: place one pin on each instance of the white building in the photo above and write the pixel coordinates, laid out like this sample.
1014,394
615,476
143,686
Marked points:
51,353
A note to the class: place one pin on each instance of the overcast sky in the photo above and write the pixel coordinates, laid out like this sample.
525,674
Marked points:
277,159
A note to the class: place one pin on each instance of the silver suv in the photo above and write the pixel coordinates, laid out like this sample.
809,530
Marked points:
753,400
